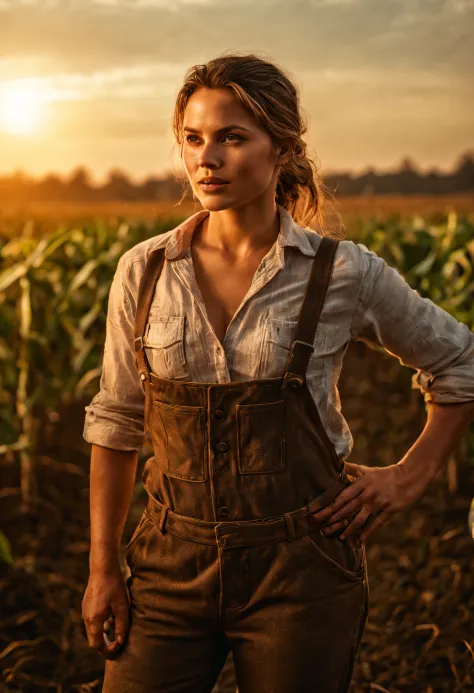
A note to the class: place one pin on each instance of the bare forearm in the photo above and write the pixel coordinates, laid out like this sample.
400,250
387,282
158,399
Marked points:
112,478
378,492
444,428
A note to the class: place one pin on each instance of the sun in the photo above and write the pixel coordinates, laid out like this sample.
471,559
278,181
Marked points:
21,109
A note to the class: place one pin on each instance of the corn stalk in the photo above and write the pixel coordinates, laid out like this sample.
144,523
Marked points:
53,300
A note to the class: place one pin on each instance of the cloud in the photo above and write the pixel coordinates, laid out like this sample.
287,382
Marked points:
86,35
377,76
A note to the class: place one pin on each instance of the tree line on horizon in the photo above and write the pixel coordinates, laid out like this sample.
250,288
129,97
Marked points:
78,186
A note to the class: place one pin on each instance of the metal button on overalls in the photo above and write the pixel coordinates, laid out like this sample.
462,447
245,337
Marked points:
228,555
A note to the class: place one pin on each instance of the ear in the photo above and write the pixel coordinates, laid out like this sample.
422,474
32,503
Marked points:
284,156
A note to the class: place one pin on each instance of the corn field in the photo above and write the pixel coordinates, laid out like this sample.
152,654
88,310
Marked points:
53,294
54,287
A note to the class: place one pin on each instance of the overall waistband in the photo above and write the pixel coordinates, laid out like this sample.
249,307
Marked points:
285,527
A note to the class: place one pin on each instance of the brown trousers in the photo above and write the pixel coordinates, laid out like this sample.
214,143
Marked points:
293,613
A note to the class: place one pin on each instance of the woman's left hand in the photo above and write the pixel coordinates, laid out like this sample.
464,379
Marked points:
375,495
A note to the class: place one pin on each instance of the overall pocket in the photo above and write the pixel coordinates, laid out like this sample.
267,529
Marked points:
164,346
179,440
346,557
278,338
261,440
139,529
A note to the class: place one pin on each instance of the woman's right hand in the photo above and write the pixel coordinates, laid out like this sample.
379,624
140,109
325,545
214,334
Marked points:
106,595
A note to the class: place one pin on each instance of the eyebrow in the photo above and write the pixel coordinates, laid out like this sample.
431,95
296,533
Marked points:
228,127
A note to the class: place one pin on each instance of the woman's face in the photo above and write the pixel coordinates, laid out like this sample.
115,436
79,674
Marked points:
221,139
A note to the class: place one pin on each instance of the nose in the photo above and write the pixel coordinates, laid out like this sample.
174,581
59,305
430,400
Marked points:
208,157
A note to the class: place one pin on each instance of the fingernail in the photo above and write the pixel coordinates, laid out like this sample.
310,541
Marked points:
120,639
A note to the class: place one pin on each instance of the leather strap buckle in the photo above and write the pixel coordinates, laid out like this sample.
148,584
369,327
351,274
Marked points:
293,380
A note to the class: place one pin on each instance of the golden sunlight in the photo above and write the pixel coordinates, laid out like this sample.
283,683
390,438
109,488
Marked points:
21,109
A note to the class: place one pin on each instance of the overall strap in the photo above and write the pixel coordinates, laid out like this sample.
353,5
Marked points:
310,312
146,290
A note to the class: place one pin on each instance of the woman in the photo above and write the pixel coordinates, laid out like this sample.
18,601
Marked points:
225,338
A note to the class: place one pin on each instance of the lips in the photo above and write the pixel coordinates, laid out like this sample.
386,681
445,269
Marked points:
212,186
212,181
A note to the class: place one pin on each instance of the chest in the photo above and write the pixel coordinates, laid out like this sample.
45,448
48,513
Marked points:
223,286
184,336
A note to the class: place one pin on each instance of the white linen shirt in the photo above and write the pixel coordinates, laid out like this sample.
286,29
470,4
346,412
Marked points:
367,300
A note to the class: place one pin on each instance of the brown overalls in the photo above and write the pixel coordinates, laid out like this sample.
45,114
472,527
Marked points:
227,554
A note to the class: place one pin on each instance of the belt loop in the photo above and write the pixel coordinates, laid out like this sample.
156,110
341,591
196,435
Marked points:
164,514
290,526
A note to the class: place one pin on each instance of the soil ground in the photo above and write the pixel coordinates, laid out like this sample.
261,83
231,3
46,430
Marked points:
419,637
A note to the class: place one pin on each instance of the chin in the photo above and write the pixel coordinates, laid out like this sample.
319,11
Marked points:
215,204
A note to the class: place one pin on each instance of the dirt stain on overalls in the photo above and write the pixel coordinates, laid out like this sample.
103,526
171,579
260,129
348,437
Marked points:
227,554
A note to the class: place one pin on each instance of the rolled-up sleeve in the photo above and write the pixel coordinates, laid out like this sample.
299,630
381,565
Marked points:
114,418
419,333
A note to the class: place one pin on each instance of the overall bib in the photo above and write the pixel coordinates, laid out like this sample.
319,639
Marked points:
227,554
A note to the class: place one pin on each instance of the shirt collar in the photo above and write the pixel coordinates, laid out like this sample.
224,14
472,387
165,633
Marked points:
290,233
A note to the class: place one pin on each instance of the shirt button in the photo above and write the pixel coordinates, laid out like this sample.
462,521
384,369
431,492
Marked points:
221,446
218,414
223,511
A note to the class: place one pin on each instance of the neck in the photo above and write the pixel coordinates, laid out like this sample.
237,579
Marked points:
240,232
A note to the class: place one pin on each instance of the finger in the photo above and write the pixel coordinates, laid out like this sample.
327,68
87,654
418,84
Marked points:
108,633
332,529
347,511
94,631
357,523
380,520
112,648
111,645
353,469
343,497
121,622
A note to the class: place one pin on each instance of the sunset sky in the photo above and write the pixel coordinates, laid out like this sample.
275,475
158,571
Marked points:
93,82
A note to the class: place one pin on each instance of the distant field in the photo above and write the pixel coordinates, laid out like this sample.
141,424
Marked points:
366,205
348,207
345,217
130,210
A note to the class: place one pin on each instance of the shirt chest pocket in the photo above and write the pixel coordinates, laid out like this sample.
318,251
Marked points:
164,347
278,337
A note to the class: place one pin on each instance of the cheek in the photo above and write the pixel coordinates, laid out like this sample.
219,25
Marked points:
254,169
189,160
